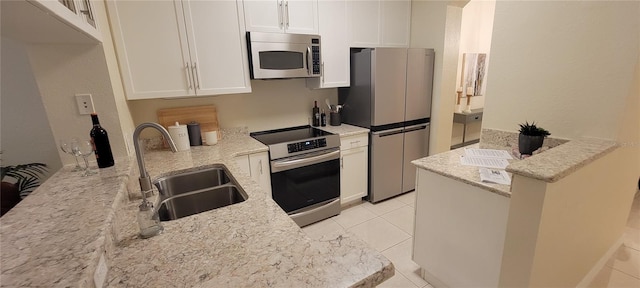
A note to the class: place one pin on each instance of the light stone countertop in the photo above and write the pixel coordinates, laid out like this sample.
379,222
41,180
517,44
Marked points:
448,164
559,158
56,236
344,130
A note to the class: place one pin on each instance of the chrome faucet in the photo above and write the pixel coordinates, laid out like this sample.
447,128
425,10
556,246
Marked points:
145,181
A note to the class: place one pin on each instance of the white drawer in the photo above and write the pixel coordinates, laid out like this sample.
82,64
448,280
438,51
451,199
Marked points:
354,141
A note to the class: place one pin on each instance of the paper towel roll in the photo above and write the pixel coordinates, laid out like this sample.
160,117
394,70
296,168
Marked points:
180,136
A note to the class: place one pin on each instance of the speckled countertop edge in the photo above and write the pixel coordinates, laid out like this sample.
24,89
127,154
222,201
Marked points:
345,130
557,163
448,164
559,158
70,252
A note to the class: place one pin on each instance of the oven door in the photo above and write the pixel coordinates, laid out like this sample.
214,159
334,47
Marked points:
305,180
280,60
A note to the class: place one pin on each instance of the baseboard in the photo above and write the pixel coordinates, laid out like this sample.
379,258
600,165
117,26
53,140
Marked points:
600,264
433,280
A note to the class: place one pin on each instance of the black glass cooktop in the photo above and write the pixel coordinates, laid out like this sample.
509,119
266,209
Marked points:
284,135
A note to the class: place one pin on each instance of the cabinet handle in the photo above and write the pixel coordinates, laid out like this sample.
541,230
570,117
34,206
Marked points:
196,81
342,162
187,71
322,71
355,142
280,18
260,164
286,6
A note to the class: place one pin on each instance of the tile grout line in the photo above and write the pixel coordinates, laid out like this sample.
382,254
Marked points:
614,268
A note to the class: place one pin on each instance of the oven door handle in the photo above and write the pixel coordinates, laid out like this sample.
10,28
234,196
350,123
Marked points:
277,166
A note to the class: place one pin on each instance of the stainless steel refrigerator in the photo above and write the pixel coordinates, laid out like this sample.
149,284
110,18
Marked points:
390,94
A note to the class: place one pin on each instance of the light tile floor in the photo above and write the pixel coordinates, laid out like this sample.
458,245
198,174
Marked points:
388,227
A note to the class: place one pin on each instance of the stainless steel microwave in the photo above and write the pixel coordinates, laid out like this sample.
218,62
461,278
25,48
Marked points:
280,55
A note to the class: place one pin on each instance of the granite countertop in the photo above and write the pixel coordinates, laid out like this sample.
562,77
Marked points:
558,158
57,235
448,164
345,130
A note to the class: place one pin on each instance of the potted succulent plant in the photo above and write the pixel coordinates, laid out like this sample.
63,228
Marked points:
531,138
27,178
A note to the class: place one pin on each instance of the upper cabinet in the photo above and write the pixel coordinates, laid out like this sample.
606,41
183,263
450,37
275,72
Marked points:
180,48
379,23
50,21
335,45
284,16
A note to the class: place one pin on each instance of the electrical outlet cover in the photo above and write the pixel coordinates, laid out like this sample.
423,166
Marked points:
85,104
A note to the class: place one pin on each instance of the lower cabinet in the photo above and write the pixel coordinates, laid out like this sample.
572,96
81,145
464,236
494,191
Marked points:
354,163
257,166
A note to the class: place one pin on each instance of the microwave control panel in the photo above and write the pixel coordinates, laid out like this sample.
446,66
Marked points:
315,56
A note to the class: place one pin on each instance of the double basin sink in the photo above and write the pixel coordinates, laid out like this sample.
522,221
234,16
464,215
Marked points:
198,191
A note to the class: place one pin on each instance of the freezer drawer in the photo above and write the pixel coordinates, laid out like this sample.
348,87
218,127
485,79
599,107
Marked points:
416,146
385,176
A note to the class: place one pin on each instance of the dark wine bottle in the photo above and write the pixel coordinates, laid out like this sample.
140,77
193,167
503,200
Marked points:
100,142
316,114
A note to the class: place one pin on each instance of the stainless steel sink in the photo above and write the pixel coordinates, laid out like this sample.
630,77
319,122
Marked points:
192,181
198,191
199,201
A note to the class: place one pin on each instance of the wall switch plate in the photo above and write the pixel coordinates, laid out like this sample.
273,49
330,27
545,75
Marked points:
85,104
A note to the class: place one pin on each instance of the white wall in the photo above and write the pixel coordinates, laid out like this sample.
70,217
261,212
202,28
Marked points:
26,135
557,232
436,24
61,72
272,104
568,65
475,37
121,103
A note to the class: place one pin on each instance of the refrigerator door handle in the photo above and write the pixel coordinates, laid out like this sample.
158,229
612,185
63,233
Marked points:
385,133
415,127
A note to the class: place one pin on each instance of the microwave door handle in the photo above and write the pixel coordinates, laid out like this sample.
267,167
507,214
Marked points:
308,55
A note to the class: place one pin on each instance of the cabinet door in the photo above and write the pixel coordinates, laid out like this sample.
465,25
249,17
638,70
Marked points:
363,23
395,20
301,16
78,14
353,174
151,44
335,44
243,163
264,16
217,47
259,163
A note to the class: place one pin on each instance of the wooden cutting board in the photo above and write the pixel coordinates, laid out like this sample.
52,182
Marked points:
206,115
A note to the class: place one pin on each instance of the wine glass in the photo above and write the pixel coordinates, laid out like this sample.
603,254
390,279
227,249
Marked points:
84,148
66,147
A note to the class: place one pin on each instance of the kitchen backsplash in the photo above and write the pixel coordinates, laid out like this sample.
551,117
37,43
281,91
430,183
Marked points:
272,104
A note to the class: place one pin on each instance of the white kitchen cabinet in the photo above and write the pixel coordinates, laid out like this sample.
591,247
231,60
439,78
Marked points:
354,163
281,16
332,16
381,23
181,48
256,165
47,21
